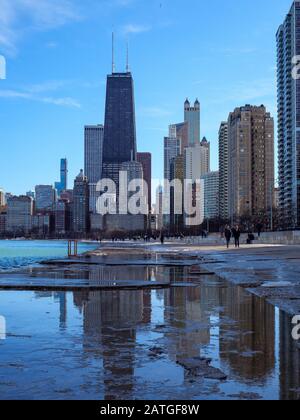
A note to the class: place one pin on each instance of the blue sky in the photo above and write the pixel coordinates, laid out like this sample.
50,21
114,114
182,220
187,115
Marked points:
58,54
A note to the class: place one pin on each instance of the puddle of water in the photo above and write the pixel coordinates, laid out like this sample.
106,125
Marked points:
126,344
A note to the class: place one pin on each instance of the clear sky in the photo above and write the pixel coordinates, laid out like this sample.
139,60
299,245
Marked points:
58,54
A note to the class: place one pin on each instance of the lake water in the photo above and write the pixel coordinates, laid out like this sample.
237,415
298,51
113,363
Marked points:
16,254
133,344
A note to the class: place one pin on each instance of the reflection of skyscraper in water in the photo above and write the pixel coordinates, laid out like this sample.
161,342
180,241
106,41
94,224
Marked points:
62,298
111,319
186,310
248,345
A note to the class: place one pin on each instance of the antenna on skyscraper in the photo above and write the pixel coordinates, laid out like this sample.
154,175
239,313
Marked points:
127,58
113,53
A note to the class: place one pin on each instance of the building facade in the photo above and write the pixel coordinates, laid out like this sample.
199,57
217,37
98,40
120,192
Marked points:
2,198
205,156
81,205
211,195
93,157
19,215
192,118
223,172
45,197
62,185
180,131
172,149
145,159
119,144
251,161
288,87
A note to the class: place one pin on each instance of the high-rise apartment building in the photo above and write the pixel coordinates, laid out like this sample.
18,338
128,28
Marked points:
288,86
251,161
146,160
81,204
45,197
93,155
223,172
211,195
192,118
62,185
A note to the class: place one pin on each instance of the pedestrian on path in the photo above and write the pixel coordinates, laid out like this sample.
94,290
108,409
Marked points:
237,235
228,235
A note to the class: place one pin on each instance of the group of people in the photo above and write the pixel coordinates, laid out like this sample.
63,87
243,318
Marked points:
234,233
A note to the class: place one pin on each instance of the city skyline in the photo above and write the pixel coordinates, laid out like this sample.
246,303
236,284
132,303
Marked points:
45,105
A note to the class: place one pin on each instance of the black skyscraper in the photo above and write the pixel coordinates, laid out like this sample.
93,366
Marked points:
119,144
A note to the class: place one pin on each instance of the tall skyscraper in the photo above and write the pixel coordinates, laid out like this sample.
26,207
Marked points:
180,131
172,149
62,185
119,144
192,118
81,204
196,162
205,144
45,196
93,149
251,161
146,160
211,195
288,46
223,172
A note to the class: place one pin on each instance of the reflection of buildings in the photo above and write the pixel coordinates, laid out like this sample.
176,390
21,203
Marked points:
61,298
248,345
111,319
187,310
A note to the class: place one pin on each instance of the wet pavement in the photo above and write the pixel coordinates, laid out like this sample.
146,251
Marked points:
200,338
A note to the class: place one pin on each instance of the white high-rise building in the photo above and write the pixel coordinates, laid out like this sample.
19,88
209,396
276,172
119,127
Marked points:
93,158
195,162
211,195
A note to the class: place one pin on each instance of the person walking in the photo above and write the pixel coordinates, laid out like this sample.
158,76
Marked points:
228,235
237,235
